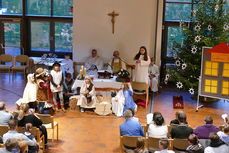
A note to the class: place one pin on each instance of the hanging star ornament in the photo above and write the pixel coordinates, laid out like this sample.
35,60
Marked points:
225,27
178,63
197,39
184,65
191,91
194,49
209,27
197,27
179,85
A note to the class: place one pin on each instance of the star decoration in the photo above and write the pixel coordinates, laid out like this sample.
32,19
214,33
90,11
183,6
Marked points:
194,49
197,39
225,27
179,85
209,27
191,91
184,65
178,63
198,27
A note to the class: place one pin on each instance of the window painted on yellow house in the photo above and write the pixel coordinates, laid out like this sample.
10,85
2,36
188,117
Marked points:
225,88
226,70
211,68
211,86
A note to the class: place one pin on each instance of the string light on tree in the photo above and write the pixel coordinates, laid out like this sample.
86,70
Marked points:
197,27
225,27
209,27
184,65
178,63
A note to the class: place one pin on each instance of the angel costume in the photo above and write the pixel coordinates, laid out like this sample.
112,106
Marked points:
125,101
141,70
30,91
87,100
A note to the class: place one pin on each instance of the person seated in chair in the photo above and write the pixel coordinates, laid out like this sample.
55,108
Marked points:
175,121
163,145
195,146
203,131
130,127
4,115
182,131
224,135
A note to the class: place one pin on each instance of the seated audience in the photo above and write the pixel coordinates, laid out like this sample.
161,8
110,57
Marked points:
12,133
153,76
130,127
26,117
87,95
68,65
182,131
216,145
175,121
133,113
203,131
11,145
224,135
67,85
23,146
28,128
195,146
163,145
4,115
157,127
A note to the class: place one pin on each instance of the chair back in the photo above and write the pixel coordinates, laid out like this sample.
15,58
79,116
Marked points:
153,144
139,86
46,118
24,59
3,129
169,129
130,141
180,144
6,58
145,128
35,131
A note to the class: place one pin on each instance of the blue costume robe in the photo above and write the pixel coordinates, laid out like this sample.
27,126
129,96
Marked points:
129,101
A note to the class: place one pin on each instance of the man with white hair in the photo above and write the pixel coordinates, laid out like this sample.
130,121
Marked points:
4,115
131,127
94,62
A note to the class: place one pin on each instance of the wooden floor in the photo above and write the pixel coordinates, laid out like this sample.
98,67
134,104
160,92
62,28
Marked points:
90,133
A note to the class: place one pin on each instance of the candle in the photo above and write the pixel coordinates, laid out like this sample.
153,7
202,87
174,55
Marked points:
81,73
84,72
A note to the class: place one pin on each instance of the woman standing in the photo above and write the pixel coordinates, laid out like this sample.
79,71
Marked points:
142,62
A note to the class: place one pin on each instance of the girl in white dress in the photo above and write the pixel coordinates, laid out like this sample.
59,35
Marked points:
142,61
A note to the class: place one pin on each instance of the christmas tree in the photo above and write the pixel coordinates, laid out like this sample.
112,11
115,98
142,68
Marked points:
208,27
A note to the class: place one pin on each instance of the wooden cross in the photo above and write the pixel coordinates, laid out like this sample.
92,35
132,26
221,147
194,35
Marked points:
113,15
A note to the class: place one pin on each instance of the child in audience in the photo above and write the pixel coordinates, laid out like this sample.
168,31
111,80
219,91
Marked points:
195,146
224,135
57,79
163,145
28,128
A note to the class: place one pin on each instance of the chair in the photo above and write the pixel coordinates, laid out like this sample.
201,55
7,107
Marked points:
141,86
169,129
3,129
49,123
153,144
36,132
128,141
3,59
180,144
1,145
24,60
145,129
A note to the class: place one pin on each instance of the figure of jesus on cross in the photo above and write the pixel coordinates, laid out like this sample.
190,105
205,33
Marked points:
113,15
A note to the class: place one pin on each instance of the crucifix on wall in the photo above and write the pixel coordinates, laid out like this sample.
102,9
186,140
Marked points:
113,15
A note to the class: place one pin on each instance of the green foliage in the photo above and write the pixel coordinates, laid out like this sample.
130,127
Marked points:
209,13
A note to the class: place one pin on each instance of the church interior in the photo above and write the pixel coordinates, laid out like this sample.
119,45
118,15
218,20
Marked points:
114,76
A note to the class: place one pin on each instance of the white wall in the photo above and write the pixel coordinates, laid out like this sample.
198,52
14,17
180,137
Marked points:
134,27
